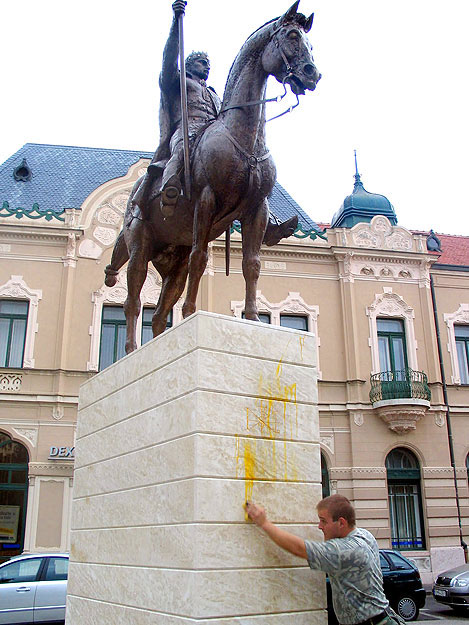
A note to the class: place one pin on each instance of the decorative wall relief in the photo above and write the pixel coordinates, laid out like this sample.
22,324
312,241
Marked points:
380,233
30,434
10,382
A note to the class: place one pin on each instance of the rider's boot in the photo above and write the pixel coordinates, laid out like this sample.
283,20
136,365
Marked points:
169,195
277,231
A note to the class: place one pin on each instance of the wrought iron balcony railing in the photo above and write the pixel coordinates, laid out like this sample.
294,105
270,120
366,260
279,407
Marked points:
403,384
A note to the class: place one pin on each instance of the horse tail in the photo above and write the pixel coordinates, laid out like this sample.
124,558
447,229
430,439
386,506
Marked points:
120,255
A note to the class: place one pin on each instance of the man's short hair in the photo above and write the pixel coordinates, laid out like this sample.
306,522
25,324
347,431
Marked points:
338,506
195,56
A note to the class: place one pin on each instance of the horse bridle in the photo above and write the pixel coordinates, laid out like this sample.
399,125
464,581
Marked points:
279,98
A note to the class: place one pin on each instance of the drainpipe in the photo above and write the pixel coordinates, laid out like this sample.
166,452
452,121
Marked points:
448,415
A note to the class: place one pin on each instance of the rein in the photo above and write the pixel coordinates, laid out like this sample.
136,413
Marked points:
278,98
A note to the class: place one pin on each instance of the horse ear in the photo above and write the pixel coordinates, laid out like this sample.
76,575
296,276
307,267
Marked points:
309,23
292,11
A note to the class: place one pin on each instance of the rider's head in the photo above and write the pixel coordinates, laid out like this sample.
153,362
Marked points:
198,64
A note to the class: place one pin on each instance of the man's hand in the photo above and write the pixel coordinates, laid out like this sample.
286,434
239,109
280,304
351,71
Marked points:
256,513
179,7
289,542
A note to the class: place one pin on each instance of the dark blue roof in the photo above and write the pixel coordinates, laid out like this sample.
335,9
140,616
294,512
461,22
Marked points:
63,177
361,206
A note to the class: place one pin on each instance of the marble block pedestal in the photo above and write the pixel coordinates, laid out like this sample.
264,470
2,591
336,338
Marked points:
171,441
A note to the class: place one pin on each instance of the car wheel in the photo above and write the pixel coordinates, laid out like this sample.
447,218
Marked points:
407,609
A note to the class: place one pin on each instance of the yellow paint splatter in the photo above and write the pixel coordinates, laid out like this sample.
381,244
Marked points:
301,340
274,417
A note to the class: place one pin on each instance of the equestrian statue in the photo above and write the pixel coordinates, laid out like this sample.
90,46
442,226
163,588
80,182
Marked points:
212,167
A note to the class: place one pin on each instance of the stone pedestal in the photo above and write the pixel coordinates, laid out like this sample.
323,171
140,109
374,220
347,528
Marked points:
171,441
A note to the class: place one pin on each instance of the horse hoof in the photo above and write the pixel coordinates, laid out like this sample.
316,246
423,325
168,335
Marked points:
111,276
187,311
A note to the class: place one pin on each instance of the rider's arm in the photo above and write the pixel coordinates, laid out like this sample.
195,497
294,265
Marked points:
169,71
285,540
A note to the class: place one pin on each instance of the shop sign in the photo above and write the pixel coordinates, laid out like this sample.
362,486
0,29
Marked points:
9,517
62,453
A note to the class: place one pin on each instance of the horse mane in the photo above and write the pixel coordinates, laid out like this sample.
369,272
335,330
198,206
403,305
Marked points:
252,42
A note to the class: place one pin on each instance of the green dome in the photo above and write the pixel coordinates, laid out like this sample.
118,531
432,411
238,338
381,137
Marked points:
361,206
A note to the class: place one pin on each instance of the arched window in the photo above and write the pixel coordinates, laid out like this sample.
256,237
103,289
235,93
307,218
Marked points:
405,500
326,488
13,496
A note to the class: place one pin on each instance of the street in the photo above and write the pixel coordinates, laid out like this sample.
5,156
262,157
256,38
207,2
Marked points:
434,611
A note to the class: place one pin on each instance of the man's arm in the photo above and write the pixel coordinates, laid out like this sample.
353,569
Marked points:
285,540
169,71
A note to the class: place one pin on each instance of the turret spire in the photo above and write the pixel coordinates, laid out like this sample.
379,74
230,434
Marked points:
358,181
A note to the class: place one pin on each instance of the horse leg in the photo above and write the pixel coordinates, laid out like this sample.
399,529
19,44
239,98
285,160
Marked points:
203,216
173,285
136,274
120,255
252,232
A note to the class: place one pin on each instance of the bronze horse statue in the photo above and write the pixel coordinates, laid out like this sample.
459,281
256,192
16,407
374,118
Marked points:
232,175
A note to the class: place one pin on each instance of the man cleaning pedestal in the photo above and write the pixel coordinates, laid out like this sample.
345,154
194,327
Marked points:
349,556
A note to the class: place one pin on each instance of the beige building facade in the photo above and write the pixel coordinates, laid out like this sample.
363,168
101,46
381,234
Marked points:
366,293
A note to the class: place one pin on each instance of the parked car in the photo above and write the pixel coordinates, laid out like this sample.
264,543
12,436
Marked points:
452,588
33,589
401,583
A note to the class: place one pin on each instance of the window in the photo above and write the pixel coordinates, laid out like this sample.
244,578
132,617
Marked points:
467,466
389,306
113,334
297,322
147,332
21,571
263,317
461,334
57,569
326,489
13,322
405,500
392,348
384,563
13,495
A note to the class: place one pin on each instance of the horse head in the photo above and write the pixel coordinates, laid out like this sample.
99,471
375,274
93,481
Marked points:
288,55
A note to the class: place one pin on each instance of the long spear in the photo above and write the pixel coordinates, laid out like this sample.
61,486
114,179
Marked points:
184,117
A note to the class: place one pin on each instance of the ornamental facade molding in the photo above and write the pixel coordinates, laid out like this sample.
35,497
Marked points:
103,211
461,315
26,434
380,233
377,472
292,304
10,382
327,441
356,265
106,222
16,288
389,304
38,469
117,295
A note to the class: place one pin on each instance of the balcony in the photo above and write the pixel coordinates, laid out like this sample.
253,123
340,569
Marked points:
401,398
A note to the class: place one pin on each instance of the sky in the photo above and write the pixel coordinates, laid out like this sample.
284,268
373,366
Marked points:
393,88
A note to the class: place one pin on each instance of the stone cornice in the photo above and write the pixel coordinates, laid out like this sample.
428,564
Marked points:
37,233
379,472
55,469
284,252
390,256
